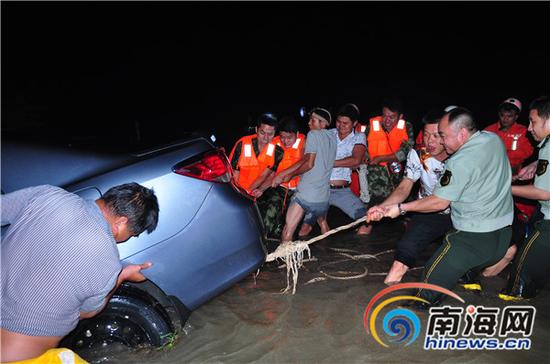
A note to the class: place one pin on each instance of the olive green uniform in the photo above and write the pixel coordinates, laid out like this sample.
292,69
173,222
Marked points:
477,182
382,180
530,269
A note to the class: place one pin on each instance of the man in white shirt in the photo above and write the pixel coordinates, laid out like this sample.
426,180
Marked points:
350,152
427,165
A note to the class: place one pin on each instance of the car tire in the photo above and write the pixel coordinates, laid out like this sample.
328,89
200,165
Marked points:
126,320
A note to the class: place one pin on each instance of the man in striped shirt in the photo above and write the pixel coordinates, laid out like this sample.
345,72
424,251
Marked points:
60,262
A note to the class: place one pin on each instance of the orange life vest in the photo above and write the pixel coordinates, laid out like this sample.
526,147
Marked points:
251,167
291,156
382,143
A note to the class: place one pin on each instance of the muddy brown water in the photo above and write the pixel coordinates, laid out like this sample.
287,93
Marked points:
323,321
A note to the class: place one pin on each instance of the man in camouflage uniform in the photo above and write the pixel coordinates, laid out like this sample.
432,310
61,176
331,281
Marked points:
386,171
267,199
271,205
277,199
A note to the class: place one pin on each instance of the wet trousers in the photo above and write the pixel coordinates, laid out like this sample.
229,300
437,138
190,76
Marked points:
273,205
530,268
422,230
460,252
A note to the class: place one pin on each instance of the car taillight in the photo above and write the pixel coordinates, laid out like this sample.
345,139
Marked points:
213,167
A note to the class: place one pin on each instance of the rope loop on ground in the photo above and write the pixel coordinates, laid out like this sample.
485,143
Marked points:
292,254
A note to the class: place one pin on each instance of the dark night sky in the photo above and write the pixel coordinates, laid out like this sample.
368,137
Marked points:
100,67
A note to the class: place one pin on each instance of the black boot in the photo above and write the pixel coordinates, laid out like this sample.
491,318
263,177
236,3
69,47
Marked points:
471,281
521,291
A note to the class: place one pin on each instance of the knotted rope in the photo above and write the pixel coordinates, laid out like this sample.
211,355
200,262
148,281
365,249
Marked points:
292,253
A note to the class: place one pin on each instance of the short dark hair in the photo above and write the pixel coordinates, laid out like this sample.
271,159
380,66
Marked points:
461,117
288,124
135,202
542,105
432,116
268,119
393,103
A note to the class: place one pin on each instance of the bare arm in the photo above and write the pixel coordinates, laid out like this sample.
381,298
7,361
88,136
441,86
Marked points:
302,166
428,204
295,165
400,193
261,180
531,192
308,162
353,161
527,172
387,158
376,213
130,273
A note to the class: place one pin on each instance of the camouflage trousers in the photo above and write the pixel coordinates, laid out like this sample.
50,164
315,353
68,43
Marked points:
382,182
273,205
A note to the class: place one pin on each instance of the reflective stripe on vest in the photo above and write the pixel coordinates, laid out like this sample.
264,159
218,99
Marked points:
248,150
360,128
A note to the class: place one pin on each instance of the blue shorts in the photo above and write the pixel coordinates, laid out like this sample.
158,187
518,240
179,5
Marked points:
312,209
345,200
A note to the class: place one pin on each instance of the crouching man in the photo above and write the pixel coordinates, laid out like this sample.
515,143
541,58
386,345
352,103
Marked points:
477,186
60,261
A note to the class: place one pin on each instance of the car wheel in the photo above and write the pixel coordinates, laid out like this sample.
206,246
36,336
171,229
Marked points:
126,320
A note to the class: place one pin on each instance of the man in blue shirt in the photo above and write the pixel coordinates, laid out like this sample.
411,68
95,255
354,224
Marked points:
60,262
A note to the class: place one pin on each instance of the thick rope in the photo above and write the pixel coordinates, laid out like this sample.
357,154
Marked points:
292,253
299,245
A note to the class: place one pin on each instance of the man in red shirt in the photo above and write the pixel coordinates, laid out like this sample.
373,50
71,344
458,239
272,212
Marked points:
518,148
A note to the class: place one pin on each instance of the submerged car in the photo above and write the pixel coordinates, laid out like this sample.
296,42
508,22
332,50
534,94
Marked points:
209,234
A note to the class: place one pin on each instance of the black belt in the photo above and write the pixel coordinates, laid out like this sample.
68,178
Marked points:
332,187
